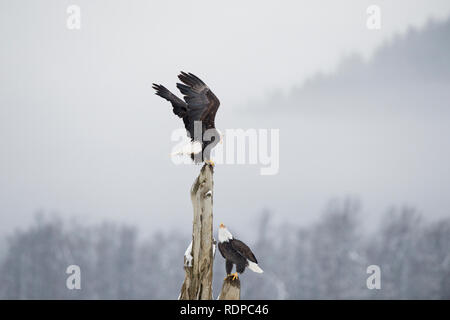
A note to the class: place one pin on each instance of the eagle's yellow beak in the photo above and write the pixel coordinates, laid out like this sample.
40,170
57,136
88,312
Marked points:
222,225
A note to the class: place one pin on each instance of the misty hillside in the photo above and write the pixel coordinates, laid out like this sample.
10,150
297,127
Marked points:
376,129
411,65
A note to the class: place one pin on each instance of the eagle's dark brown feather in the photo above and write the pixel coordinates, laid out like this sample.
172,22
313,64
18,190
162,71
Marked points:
201,101
179,106
243,250
200,104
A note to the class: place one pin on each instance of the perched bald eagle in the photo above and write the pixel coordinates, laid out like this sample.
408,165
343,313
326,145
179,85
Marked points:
198,110
236,253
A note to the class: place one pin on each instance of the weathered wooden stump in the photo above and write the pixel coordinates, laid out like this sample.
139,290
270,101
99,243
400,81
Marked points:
197,283
231,289
199,256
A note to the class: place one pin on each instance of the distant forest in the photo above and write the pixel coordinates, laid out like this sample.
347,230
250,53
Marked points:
411,65
324,260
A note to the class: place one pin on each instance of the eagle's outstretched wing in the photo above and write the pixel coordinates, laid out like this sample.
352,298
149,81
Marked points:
243,250
202,104
179,106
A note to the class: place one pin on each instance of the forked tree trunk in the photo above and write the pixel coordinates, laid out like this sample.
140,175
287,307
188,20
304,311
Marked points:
197,283
199,257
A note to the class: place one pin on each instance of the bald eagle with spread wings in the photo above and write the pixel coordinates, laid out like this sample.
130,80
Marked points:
198,111
236,253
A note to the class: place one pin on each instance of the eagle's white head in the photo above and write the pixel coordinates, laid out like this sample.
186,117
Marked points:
224,234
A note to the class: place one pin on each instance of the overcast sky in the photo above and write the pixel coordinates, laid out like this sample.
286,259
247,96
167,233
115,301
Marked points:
247,48
81,132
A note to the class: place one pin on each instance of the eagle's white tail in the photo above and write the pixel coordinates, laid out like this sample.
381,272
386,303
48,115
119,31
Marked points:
254,267
189,148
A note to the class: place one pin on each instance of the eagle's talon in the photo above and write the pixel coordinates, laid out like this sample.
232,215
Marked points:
210,162
235,276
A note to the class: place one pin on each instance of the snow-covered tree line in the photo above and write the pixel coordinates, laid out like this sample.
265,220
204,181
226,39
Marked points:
327,259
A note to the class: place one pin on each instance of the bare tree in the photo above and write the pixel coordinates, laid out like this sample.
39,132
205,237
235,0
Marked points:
198,260
199,257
